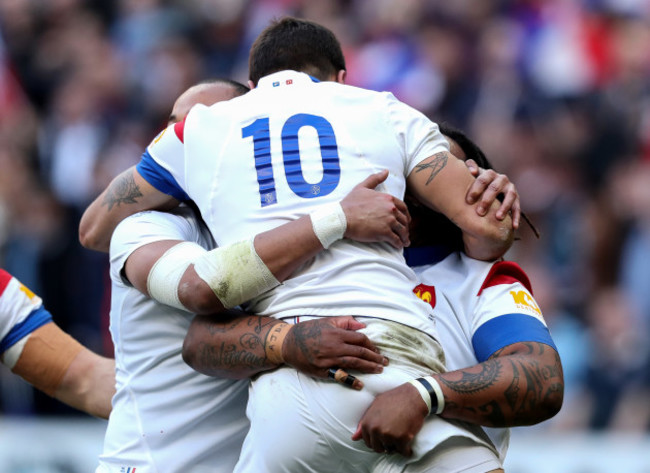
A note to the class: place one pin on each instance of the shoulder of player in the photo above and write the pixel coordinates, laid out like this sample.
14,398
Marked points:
505,272
178,224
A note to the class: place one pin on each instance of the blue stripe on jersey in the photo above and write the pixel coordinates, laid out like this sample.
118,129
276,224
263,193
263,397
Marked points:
160,178
36,319
506,330
421,255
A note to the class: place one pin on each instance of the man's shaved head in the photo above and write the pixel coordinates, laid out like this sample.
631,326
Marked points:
205,93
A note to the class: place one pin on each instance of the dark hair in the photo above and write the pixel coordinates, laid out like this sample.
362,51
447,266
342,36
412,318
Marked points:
471,149
299,45
433,228
239,88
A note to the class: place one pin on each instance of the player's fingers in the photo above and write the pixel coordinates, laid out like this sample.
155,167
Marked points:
403,210
490,194
472,166
402,232
516,214
374,180
478,186
347,322
509,198
360,365
358,434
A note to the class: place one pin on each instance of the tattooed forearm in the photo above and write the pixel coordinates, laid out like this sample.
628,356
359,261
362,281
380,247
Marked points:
520,385
434,165
230,346
122,191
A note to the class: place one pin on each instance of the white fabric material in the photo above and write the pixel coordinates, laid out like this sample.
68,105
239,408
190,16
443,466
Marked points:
458,279
329,223
166,416
16,303
368,131
166,274
317,417
12,354
235,273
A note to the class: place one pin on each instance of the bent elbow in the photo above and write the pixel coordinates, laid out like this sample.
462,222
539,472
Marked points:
198,297
90,238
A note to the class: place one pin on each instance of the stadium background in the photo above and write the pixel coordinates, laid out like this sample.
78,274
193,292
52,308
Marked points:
556,92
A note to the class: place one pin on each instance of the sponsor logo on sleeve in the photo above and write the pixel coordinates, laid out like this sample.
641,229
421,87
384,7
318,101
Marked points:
524,301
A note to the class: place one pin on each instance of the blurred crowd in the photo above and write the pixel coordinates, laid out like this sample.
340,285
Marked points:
556,92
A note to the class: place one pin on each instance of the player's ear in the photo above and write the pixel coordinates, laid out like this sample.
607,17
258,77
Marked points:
341,75
251,85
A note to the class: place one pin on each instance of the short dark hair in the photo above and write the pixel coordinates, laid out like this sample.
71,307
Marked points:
296,44
239,88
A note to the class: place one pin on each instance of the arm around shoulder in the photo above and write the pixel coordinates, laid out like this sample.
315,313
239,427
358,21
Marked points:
127,194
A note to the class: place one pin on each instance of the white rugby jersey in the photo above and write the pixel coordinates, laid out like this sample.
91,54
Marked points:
279,151
166,417
21,311
480,308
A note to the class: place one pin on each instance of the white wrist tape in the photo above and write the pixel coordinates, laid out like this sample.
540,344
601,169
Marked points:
431,393
329,223
423,392
235,273
166,273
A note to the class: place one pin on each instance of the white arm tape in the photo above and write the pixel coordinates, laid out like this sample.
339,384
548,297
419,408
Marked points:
235,273
329,223
11,356
166,273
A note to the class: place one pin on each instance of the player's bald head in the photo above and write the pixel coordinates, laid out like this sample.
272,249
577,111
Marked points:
206,93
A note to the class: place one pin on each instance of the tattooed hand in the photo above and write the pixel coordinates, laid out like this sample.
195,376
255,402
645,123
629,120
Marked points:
316,345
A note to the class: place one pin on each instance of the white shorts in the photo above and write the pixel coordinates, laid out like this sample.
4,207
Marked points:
303,424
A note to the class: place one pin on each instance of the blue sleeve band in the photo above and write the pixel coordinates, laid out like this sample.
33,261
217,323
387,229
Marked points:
160,178
36,319
506,330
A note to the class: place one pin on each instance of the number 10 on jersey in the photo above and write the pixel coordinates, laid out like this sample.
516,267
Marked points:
292,166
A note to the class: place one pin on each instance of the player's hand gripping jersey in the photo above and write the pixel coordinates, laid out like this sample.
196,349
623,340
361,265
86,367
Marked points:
274,154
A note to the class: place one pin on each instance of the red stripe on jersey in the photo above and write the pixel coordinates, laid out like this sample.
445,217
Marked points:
5,277
505,272
179,129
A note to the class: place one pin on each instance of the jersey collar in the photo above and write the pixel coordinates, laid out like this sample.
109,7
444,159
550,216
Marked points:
285,78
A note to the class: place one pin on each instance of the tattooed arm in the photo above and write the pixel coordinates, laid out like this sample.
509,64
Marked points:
442,182
234,345
521,384
127,194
